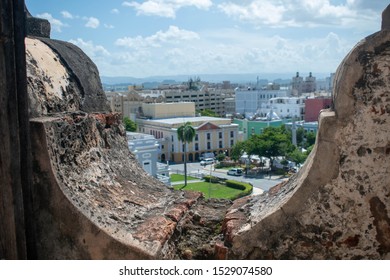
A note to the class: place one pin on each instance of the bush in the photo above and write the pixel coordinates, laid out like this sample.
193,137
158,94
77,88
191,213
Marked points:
213,179
244,187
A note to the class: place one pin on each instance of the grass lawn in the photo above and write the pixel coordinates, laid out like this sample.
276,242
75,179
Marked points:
216,190
179,177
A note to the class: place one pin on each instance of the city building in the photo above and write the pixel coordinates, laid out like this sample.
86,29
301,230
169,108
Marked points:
313,107
284,107
212,99
249,101
299,86
213,135
146,149
252,127
230,106
168,110
310,84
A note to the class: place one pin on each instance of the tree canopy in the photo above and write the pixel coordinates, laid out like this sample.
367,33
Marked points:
129,124
275,141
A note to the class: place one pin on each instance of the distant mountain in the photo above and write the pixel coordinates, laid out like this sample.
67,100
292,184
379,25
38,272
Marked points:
213,78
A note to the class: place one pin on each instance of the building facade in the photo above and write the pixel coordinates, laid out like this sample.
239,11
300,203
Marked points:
299,86
212,99
249,101
254,127
213,135
146,149
285,107
313,107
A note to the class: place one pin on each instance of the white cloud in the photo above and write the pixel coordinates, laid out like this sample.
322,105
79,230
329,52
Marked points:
154,55
56,24
67,15
166,8
173,35
263,11
302,13
115,11
92,22
109,26
90,49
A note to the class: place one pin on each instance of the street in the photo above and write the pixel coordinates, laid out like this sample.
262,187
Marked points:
195,169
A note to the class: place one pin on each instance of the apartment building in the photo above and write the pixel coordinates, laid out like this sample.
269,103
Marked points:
213,135
212,99
249,101
285,107
126,103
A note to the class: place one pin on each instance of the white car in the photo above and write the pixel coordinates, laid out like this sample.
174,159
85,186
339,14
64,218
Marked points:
235,172
207,161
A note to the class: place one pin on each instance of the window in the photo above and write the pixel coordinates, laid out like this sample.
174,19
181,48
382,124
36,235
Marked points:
232,134
231,143
173,148
208,146
208,136
172,138
220,135
196,147
220,145
196,137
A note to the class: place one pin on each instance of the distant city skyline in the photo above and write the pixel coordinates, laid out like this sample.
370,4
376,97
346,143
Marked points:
198,37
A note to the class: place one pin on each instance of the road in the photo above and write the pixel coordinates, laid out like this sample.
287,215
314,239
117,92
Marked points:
194,168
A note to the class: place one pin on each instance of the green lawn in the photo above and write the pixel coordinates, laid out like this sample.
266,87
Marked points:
179,177
216,190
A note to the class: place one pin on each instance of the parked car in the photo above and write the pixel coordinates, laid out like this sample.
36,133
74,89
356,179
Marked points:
207,161
235,172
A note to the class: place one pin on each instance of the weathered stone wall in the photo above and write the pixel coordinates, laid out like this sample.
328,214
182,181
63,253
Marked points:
338,206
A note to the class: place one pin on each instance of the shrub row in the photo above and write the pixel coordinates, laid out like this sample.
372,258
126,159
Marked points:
213,179
244,187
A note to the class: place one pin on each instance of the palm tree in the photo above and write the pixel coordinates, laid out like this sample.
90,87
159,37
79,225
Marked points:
186,134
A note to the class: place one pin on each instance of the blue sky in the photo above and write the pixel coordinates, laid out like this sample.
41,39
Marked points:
193,37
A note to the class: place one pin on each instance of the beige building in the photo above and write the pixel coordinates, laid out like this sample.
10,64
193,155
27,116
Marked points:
127,103
212,99
168,110
216,135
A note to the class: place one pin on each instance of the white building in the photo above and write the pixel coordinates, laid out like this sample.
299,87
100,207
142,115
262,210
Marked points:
249,101
285,107
146,149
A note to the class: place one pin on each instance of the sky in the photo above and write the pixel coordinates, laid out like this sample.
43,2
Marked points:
193,37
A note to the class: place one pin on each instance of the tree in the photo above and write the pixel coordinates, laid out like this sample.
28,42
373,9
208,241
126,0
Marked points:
208,113
237,150
310,139
186,134
129,124
221,157
271,143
